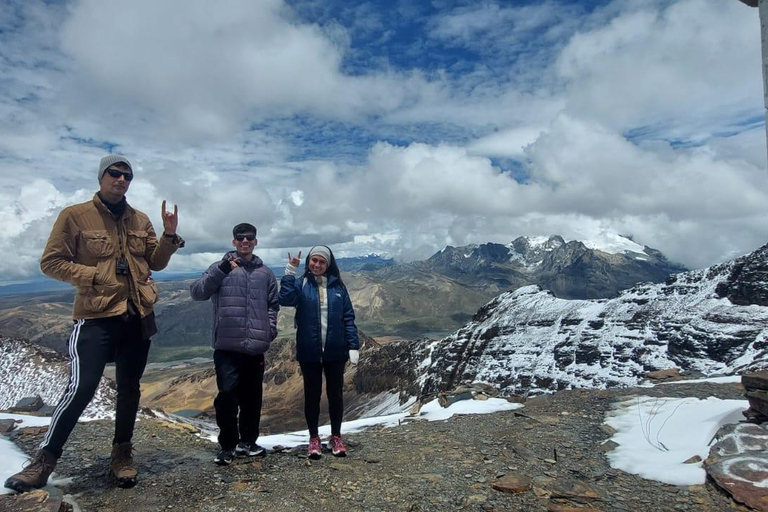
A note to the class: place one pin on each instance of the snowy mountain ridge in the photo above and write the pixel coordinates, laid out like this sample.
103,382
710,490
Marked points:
711,321
573,270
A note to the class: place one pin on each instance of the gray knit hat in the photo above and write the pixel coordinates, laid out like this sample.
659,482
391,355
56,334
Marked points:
320,250
112,160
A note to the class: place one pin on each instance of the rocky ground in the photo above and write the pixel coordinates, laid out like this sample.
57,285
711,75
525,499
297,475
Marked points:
550,450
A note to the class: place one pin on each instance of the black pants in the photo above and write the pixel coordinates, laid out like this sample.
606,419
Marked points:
239,379
313,389
92,345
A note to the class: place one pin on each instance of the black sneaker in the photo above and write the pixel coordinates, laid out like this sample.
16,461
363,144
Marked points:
224,458
249,450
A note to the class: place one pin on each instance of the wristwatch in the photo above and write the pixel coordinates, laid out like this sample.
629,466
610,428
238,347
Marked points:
175,239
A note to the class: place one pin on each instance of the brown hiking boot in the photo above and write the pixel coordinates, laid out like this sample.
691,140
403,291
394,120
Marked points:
123,470
35,475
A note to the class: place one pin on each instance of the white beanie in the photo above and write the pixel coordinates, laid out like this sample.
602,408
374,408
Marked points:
112,160
321,250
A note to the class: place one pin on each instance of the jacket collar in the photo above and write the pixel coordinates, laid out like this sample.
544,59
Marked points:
103,207
331,279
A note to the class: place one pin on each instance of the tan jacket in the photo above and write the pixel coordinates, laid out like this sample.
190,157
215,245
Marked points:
83,249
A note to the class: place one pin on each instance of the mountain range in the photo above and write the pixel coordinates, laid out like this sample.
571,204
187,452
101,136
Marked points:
389,297
570,270
441,293
712,321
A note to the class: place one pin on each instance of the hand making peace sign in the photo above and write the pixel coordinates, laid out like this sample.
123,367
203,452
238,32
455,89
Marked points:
296,261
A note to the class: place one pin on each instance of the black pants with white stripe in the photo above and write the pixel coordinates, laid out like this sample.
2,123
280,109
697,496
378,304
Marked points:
92,345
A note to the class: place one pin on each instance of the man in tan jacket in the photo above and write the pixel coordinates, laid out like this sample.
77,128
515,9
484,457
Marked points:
107,251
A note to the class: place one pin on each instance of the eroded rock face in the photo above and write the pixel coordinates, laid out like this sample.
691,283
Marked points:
748,281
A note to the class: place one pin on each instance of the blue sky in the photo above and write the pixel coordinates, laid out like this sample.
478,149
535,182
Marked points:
389,126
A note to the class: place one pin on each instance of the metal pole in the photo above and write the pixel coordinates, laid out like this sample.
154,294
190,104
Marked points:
763,9
762,6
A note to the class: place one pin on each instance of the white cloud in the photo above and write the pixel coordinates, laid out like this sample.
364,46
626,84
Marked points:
666,64
211,70
243,112
508,143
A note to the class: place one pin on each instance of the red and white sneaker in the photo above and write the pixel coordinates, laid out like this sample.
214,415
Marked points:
314,451
337,446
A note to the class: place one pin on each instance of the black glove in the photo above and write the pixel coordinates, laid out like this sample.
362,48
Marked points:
225,266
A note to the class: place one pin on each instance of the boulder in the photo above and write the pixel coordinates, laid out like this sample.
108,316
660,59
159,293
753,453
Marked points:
512,484
474,391
756,392
7,425
670,374
28,404
49,499
738,463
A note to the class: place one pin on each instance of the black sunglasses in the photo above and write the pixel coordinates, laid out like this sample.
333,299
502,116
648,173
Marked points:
128,176
240,238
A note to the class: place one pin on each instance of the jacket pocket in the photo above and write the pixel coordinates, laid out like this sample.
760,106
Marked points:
137,241
147,294
96,298
97,243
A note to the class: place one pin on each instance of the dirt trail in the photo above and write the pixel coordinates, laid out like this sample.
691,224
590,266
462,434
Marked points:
552,447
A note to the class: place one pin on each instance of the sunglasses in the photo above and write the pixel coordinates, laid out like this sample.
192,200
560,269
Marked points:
240,238
128,176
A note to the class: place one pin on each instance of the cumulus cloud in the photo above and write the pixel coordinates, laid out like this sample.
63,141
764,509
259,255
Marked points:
691,62
211,69
471,123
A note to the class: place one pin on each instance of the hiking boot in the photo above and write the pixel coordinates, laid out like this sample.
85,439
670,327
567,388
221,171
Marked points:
249,450
337,446
121,463
224,458
314,451
35,475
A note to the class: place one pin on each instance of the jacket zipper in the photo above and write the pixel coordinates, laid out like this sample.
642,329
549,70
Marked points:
319,322
247,301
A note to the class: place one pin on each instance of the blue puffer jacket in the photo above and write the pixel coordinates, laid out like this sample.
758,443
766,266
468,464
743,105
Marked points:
244,305
341,335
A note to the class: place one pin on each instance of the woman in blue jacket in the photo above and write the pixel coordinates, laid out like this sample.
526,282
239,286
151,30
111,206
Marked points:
326,336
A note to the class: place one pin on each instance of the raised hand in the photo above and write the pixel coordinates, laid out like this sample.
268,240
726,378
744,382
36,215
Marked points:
296,260
170,220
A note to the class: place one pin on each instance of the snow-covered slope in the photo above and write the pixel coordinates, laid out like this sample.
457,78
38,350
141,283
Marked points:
710,321
28,370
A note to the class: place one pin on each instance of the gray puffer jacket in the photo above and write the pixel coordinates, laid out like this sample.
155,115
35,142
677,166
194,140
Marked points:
244,305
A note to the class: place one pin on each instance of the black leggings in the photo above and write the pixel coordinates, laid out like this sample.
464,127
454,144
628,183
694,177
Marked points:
313,388
92,345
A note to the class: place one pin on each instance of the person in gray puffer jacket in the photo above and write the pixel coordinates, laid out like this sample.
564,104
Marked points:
244,295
